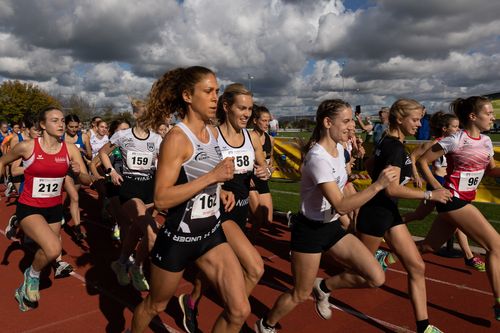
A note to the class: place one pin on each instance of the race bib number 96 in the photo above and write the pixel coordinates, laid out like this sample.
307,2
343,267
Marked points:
469,181
139,160
47,187
206,205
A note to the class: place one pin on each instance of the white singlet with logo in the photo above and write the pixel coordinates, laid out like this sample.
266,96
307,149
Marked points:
139,155
320,167
244,156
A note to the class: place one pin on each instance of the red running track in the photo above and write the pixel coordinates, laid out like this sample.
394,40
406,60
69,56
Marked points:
459,299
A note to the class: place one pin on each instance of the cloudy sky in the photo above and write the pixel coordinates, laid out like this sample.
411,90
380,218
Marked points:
295,52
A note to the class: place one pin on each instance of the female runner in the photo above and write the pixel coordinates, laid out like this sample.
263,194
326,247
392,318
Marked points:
46,160
470,156
318,230
380,216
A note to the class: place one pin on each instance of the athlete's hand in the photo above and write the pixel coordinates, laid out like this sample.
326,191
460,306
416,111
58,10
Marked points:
224,171
417,181
75,167
116,178
441,195
387,176
261,172
228,200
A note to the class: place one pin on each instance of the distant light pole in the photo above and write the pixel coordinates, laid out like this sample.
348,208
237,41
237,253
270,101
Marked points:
250,78
342,65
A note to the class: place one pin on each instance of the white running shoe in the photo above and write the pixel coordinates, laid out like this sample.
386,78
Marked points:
260,328
321,298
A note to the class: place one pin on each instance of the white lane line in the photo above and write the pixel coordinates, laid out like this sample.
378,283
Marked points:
59,322
458,286
360,315
355,313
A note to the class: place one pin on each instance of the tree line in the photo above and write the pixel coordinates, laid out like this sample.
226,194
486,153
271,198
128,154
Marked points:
20,98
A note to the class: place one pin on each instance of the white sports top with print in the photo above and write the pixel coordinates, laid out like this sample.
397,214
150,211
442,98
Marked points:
321,167
139,155
467,159
96,144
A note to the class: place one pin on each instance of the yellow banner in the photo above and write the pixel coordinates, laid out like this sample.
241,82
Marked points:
287,160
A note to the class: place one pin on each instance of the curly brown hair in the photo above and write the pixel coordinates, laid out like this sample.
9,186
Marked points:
165,97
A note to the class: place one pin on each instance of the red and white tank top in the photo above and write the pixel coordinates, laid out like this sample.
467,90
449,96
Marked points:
44,176
467,160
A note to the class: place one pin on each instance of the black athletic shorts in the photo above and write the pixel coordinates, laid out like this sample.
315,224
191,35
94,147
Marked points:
238,214
112,190
261,186
16,179
310,236
452,205
376,220
141,189
52,214
174,251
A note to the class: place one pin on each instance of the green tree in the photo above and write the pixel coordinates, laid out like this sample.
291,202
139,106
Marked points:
80,106
18,98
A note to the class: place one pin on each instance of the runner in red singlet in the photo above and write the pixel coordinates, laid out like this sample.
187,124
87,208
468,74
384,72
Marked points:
47,160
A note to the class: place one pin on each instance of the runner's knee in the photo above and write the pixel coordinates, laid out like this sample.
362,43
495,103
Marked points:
255,271
416,267
239,312
376,278
300,296
52,251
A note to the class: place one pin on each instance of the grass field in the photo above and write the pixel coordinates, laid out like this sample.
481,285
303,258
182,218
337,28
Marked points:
305,135
286,198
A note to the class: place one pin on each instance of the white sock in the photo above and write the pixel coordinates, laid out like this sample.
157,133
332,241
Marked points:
33,273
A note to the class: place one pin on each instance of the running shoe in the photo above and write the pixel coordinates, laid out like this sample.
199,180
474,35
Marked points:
62,269
115,234
496,310
380,255
30,287
289,218
79,234
9,189
321,298
138,279
12,225
189,320
260,328
432,329
121,272
476,263
24,303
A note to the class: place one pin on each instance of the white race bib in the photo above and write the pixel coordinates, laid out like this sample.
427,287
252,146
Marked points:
206,205
243,161
469,181
47,187
139,160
